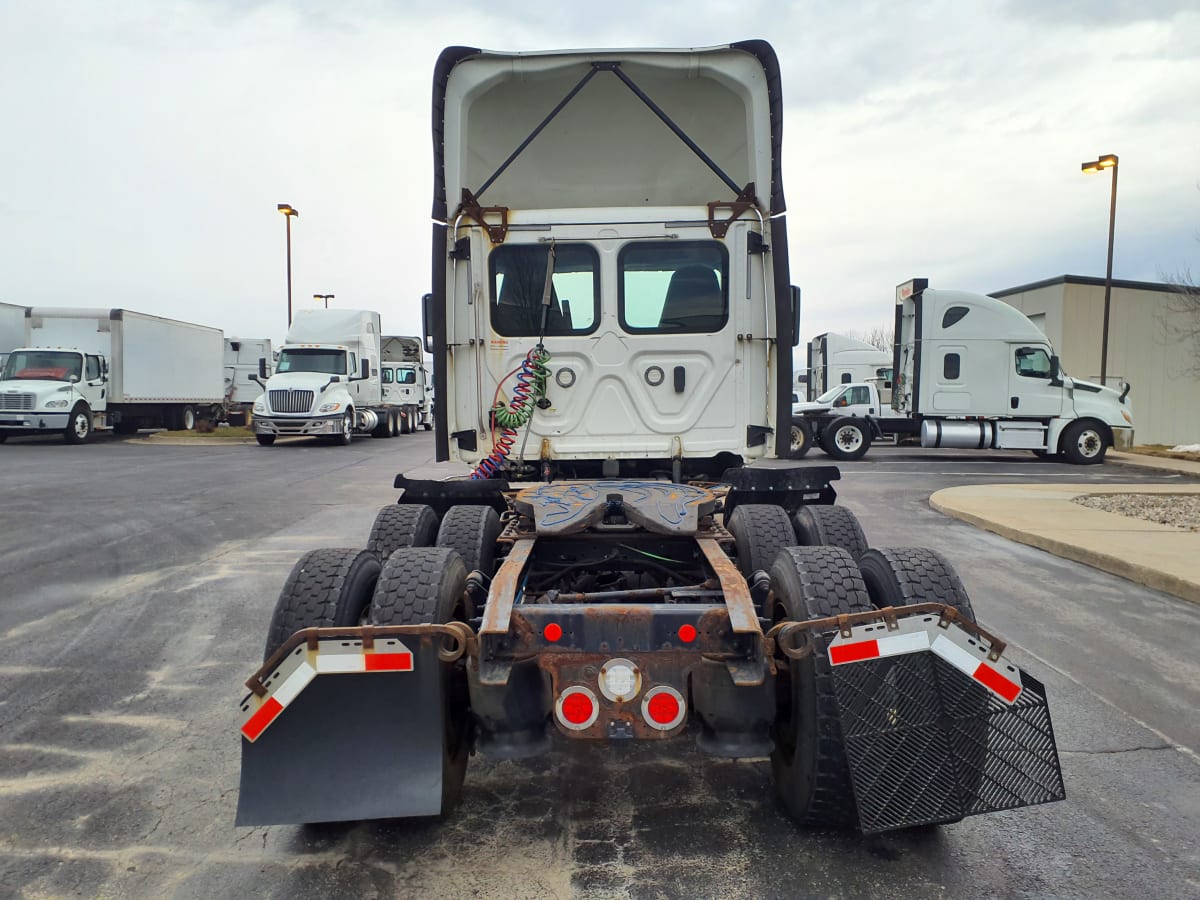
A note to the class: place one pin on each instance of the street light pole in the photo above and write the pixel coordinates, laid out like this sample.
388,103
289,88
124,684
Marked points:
288,212
325,297
1108,161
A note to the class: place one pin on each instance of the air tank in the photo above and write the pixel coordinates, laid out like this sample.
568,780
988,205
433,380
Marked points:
974,435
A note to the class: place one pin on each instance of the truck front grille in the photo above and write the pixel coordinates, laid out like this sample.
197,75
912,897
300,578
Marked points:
291,401
16,401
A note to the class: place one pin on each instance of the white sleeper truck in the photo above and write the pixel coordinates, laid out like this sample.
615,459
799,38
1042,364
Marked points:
974,373
612,329
406,381
327,381
87,370
241,371
835,359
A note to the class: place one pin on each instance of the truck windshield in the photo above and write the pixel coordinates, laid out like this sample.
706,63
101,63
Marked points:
43,365
324,362
830,394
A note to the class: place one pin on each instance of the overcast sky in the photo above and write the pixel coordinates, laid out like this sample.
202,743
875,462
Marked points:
146,143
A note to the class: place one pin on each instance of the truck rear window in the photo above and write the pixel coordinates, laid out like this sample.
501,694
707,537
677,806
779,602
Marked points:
518,280
674,287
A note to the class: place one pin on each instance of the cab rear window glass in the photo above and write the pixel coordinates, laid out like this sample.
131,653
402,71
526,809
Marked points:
673,287
518,282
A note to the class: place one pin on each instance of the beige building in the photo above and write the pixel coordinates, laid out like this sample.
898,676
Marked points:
1069,310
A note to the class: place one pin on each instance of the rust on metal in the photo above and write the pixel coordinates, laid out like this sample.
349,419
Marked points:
464,637
742,617
470,208
504,588
843,623
745,200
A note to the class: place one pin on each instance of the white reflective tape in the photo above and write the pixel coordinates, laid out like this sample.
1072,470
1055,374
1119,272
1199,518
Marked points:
338,663
903,643
294,684
955,655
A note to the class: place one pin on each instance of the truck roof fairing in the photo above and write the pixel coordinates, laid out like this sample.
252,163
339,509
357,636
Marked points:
725,99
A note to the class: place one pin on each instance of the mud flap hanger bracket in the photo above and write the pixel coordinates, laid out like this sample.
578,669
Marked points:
745,198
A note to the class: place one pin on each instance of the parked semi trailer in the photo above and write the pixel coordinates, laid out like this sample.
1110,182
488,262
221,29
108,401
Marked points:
972,373
612,329
87,370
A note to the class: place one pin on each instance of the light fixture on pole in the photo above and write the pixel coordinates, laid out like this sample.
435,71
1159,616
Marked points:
325,297
288,212
1108,161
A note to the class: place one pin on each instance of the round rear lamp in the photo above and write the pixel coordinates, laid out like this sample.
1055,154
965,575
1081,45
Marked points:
663,708
577,708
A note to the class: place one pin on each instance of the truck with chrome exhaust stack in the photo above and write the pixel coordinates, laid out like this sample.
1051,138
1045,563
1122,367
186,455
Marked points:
631,556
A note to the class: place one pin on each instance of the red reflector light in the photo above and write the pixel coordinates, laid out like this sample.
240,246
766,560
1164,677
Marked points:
663,708
989,677
687,633
577,708
260,720
845,653
388,662
552,632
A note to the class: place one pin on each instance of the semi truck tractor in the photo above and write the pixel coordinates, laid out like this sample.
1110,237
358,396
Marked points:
835,359
88,370
406,381
612,329
327,381
242,373
972,373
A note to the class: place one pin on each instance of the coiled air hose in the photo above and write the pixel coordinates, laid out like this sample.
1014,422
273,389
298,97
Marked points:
511,416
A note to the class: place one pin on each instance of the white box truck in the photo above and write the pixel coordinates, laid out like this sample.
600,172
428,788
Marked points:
972,372
327,381
86,370
241,372
406,381
12,329
835,359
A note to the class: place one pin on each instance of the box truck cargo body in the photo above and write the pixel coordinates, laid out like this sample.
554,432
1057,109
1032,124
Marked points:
85,370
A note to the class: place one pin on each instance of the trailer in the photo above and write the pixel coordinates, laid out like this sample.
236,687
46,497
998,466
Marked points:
406,381
88,370
612,341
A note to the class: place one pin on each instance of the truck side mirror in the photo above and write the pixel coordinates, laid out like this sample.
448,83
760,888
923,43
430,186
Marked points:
366,369
795,315
426,318
1055,371
262,367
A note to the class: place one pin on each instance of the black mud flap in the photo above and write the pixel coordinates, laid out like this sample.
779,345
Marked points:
935,730
346,746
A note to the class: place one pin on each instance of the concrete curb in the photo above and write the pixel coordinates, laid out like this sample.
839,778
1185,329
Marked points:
1158,463
1188,589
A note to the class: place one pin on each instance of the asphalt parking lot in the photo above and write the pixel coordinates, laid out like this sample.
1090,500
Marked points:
138,580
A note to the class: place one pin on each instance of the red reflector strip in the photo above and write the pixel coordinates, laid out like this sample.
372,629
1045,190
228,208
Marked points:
258,722
994,681
388,662
847,653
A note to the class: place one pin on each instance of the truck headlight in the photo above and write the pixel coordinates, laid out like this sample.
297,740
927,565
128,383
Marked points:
56,404
330,407
259,406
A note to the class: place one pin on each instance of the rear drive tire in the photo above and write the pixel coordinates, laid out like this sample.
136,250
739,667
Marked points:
1083,444
427,585
761,531
829,526
393,423
802,437
402,525
265,440
472,532
847,439
812,777
326,588
79,425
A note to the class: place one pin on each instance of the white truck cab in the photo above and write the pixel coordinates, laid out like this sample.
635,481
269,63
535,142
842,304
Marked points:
406,381
649,298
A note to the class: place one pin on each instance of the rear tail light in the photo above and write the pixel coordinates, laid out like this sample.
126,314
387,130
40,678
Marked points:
663,708
577,708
